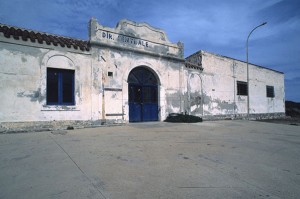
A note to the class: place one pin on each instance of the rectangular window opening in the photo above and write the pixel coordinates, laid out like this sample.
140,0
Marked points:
270,91
242,88
110,74
60,87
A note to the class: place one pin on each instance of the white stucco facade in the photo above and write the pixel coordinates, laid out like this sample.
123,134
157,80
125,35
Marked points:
204,84
219,80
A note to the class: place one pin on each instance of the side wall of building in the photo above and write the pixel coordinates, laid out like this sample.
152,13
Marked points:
219,95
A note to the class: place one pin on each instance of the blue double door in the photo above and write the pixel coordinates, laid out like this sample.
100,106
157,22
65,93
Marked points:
143,95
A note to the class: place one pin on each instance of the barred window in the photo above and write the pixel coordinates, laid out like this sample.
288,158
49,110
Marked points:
270,91
242,88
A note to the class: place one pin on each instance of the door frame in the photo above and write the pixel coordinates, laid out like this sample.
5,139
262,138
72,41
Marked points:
141,84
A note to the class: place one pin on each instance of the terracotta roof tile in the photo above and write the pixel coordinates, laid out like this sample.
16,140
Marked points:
41,38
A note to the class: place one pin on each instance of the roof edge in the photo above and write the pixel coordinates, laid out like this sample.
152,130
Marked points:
24,34
218,55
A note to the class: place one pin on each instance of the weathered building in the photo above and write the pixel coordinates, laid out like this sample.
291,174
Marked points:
130,73
224,92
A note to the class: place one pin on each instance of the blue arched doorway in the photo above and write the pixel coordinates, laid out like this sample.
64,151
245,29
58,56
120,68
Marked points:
143,95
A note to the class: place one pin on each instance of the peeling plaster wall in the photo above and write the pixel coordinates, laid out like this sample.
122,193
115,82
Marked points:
259,79
139,37
119,64
101,88
23,67
195,94
119,50
101,75
219,87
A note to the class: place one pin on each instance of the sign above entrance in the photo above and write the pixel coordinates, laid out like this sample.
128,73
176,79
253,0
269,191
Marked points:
124,39
129,35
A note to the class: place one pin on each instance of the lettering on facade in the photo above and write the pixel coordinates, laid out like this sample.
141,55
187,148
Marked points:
124,39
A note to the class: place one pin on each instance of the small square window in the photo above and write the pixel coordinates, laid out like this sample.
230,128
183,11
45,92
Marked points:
270,91
60,87
242,88
110,74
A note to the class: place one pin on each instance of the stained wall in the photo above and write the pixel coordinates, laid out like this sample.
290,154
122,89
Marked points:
207,89
219,96
23,66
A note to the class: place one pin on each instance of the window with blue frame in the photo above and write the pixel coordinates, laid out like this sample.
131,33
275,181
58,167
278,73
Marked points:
60,86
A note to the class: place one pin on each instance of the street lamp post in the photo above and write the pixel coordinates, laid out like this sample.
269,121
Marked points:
248,94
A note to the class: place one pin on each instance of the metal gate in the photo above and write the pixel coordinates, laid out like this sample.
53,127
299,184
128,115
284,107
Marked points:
143,95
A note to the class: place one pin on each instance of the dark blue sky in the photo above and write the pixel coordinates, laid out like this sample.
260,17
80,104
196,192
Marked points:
217,26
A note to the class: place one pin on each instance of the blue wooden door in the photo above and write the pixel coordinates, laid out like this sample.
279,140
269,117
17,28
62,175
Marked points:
143,95
149,105
135,103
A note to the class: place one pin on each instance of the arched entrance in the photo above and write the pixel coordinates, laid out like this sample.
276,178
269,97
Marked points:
143,95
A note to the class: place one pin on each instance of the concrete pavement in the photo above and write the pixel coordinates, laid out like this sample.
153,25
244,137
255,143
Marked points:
213,159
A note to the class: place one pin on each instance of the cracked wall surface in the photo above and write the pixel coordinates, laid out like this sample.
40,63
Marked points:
129,45
101,78
23,68
219,89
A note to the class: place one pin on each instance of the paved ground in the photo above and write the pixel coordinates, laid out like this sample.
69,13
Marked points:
221,159
288,120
